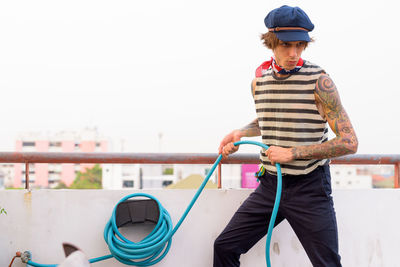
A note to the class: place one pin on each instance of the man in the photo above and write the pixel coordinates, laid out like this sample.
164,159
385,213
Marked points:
294,100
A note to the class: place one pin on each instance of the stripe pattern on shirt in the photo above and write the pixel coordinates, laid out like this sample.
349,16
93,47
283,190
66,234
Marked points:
288,115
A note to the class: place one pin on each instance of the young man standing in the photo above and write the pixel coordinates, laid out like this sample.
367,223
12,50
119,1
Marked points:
294,99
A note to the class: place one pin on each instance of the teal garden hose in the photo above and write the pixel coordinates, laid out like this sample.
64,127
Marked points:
154,247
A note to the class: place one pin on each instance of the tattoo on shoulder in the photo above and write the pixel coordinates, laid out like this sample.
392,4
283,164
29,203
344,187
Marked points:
327,92
346,140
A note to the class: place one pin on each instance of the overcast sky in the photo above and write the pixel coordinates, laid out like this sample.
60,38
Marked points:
134,69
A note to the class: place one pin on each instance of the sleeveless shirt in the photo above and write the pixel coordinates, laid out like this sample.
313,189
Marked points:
288,115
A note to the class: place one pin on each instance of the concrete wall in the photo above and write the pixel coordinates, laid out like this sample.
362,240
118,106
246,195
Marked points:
41,220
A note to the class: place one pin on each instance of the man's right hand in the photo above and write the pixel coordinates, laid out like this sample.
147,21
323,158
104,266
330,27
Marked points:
226,146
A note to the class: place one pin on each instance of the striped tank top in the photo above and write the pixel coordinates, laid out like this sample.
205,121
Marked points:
288,115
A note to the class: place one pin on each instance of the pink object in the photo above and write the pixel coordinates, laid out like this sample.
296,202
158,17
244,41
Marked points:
248,179
41,169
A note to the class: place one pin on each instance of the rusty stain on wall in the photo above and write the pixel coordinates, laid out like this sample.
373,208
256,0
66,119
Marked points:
28,201
295,243
276,249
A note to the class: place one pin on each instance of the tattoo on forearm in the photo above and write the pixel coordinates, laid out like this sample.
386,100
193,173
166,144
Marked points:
252,129
346,140
333,148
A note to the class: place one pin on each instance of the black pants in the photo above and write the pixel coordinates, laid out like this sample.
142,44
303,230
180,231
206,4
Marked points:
306,203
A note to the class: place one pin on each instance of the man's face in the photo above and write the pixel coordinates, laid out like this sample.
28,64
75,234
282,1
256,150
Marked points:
287,54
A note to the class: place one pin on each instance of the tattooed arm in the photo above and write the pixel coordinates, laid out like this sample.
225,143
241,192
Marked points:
226,146
251,129
345,141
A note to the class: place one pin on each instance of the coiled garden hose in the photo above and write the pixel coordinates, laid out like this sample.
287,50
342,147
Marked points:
154,247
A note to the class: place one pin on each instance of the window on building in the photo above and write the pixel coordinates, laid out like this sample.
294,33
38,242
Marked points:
30,172
31,181
28,143
127,183
77,167
98,147
54,168
54,144
54,177
31,168
76,146
166,183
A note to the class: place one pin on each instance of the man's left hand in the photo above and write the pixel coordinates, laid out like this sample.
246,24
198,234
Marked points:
278,154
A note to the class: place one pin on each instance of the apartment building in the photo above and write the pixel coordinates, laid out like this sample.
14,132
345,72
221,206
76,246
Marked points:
157,176
6,175
349,177
48,175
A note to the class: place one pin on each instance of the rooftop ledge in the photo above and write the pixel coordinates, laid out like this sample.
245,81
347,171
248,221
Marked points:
178,158
40,220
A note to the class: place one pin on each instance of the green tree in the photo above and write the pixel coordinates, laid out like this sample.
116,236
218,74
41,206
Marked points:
3,211
90,179
61,185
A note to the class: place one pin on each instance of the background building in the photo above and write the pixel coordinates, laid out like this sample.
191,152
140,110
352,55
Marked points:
150,176
146,176
6,175
48,175
348,177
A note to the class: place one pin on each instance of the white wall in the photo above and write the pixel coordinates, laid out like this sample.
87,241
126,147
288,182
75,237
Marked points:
346,177
115,174
232,176
41,220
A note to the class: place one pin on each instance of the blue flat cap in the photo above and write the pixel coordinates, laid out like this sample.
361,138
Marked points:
289,24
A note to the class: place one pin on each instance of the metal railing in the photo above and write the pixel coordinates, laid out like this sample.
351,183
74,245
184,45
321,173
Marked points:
178,158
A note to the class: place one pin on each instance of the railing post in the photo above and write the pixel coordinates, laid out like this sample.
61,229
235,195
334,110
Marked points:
397,175
27,175
219,176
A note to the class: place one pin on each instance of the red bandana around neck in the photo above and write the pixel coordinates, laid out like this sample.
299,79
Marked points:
262,69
